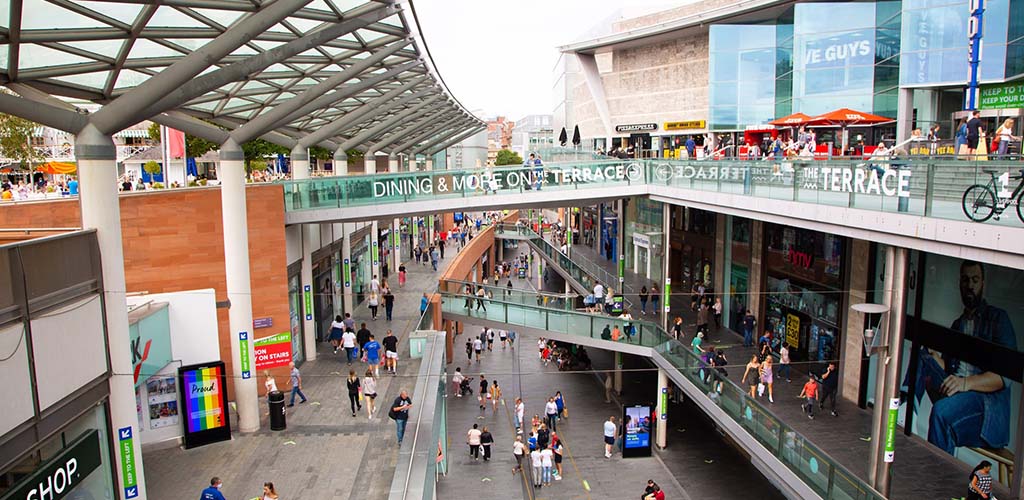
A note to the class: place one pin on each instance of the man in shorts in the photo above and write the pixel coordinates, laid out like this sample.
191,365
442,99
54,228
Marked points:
372,350
391,353
609,436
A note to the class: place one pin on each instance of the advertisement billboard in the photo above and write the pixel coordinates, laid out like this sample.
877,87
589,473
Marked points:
205,399
637,421
273,351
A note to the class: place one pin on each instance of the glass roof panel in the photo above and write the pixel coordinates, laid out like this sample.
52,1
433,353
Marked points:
37,56
370,35
347,5
105,48
190,43
394,20
303,25
130,78
3,58
224,17
265,45
205,106
124,12
143,48
5,15
244,50
95,80
38,14
320,5
167,16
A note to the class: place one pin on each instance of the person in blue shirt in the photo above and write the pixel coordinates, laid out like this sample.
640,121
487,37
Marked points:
372,349
423,304
73,187
691,147
213,492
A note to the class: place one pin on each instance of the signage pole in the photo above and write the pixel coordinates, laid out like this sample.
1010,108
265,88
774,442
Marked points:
974,47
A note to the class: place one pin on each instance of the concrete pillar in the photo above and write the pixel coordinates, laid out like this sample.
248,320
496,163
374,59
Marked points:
429,164
660,436
904,114
753,299
618,373
887,382
310,239
370,168
620,250
347,228
396,225
853,333
236,270
718,279
101,210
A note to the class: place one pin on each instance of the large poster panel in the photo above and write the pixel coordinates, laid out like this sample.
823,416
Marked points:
204,395
965,384
637,421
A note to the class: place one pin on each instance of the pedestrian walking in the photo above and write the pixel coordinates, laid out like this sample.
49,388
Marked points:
518,450
434,256
494,394
655,298
810,391
551,414
457,379
295,378
469,351
213,491
543,436
369,387
337,330
560,403
481,295
490,339
784,361
473,440
373,302
401,275
538,468
348,341
389,303
609,436
400,414
767,377
717,309
752,366
749,322
424,300
391,352
478,346
980,485
829,388
520,411
362,337
484,393
503,337
486,440
557,448
644,296
355,391
372,350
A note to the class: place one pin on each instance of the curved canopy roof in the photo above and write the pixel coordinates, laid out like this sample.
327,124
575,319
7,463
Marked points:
330,72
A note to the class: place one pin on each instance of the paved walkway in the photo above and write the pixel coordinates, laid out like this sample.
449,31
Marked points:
325,453
920,469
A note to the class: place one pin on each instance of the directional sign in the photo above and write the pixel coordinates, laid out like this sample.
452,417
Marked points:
243,354
347,271
308,292
126,445
668,294
890,430
664,403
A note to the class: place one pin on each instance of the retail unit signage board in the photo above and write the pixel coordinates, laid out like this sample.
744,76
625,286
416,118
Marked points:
686,125
60,475
273,351
637,127
1002,96
205,400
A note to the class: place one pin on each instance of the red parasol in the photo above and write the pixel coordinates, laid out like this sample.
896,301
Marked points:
792,120
845,117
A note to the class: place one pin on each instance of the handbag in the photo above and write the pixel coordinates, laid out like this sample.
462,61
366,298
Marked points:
760,389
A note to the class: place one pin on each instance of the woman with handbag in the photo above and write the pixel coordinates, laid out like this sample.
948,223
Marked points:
767,377
374,302
753,365
369,389
1003,136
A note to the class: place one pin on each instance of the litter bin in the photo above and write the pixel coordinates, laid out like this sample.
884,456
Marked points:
276,401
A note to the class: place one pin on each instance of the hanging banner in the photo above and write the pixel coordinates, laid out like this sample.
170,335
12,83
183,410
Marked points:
273,351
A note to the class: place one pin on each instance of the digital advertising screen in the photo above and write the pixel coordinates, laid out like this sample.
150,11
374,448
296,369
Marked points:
637,422
205,401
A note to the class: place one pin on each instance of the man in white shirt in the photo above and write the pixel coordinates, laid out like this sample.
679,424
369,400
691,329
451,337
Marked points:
609,436
348,341
551,413
538,467
375,284
473,438
520,413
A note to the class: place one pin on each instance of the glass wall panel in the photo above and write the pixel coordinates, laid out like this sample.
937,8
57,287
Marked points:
934,36
743,70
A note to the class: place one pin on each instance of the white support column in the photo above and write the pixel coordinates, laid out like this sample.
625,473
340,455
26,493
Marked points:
346,267
101,210
236,270
660,436
396,225
310,238
666,247
370,168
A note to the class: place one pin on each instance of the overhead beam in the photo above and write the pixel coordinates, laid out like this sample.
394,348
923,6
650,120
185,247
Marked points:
451,139
442,136
429,131
46,114
390,122
412,128
124,111
378,105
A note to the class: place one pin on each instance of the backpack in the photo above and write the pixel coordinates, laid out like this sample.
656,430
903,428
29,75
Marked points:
392,415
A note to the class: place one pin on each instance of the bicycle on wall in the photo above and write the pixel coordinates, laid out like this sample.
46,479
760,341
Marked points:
982,201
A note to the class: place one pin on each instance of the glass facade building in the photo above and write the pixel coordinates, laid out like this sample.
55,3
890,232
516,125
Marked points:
818,57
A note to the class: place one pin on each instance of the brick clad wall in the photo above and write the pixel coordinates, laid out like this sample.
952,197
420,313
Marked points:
173,241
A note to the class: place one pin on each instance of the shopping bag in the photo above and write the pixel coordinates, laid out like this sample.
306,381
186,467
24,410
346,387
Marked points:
760,389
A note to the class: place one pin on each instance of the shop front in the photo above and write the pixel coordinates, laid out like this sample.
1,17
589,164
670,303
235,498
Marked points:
296,309
323,290
645,237
672,141
738,269
805,302
73,463
692,249
609,227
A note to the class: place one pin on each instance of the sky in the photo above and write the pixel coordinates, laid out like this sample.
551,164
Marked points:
498,56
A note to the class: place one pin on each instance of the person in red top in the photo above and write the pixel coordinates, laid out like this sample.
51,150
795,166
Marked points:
810,392
656,494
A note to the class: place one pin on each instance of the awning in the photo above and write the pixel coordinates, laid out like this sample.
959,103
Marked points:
792,120
846,117
57,167
133,133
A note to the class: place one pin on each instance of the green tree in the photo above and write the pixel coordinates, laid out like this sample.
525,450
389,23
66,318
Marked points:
194,146
320,153
152,167
508,157
16,140
259,149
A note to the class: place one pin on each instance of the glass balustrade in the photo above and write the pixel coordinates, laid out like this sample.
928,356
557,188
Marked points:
931,187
